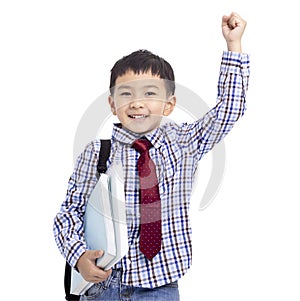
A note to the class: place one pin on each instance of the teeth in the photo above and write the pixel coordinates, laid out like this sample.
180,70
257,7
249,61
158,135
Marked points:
137,116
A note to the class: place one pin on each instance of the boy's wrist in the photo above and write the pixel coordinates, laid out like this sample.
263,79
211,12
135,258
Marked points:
234,46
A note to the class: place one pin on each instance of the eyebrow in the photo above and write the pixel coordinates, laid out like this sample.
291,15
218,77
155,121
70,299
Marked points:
130,87
151,86
123,87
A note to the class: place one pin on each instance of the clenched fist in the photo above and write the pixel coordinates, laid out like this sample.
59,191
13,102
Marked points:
233,27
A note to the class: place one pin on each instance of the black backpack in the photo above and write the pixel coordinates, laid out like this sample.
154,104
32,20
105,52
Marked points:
101,167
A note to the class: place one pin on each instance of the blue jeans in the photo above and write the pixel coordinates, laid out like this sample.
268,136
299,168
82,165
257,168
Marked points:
113,290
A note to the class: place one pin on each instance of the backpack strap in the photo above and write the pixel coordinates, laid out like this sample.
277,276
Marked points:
103,155
101,167
67,284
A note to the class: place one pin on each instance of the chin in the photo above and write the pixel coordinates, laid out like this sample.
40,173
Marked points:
141,130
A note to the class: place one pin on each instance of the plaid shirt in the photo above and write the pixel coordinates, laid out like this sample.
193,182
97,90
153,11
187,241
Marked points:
176,152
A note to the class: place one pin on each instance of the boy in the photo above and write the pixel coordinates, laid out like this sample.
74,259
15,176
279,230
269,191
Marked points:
142,91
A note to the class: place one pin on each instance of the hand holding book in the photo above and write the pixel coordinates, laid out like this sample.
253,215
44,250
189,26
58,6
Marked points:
89,270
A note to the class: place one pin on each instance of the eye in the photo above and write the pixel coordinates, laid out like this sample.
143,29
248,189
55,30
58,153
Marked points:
150,93
126,94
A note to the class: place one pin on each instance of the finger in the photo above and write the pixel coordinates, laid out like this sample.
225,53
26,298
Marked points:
109,272
234,21
104,274
235,15
100,275
99,253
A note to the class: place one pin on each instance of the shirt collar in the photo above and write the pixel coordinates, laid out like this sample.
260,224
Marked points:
125,136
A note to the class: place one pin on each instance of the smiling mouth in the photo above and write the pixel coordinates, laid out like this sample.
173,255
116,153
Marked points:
137,116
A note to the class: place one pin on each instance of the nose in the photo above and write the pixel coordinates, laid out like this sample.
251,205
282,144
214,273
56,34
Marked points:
136,104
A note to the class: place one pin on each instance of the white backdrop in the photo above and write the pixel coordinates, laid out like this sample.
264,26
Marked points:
55,61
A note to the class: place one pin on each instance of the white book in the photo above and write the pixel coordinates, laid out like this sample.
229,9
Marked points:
105,225
98,222
118,205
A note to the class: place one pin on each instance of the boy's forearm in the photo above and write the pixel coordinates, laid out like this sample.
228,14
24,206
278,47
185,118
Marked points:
71,246
232,86
231,105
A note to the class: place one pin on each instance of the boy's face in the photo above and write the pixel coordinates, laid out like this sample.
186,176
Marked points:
140,101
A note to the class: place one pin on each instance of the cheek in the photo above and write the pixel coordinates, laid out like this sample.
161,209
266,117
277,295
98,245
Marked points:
121,114
158,109
121,107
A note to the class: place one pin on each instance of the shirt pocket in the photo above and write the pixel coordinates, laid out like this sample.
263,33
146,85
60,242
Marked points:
169,167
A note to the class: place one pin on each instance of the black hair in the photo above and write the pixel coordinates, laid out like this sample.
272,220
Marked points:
142,61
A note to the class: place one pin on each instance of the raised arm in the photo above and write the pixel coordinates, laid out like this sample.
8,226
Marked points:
203,134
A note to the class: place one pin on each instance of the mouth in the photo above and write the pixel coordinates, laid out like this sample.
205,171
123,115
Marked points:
137,116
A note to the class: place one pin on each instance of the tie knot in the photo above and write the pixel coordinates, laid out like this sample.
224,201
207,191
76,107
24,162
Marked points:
142,145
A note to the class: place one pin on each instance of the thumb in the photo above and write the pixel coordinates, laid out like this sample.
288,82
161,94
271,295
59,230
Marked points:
94,254
225,20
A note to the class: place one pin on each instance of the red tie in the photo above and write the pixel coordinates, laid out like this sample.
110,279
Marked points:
150,210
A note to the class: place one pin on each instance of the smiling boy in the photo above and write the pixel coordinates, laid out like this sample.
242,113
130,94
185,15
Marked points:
142,92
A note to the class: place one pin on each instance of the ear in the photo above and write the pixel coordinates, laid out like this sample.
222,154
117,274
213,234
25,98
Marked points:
170,105
112,105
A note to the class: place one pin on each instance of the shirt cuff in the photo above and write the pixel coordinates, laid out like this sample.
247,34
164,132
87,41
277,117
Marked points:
235,62
77,250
